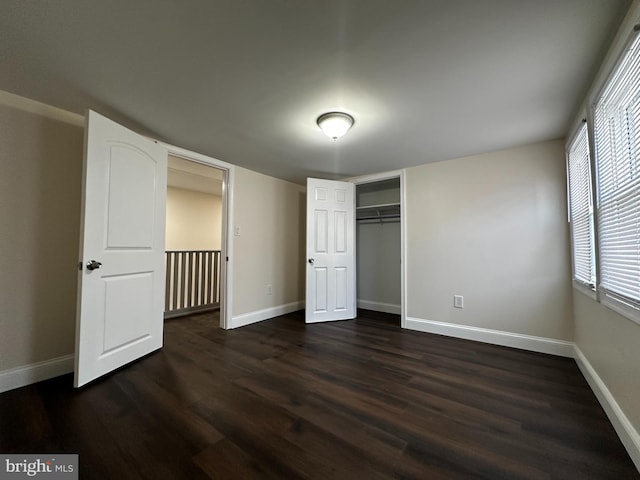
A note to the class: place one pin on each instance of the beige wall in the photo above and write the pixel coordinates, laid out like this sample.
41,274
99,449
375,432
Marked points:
492,228
611,344
270,249
194,220
40,178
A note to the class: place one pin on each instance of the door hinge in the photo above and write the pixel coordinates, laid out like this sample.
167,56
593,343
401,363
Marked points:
227,259
80,265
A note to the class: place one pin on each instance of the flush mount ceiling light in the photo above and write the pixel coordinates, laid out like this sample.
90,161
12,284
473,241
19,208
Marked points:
335,124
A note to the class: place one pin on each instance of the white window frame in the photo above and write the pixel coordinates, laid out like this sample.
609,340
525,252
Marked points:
588,288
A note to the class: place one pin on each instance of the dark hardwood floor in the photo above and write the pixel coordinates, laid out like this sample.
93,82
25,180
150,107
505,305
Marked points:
358,399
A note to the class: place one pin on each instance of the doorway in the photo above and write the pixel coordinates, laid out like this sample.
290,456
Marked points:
193,250
122,269
377,201
199,237
380,234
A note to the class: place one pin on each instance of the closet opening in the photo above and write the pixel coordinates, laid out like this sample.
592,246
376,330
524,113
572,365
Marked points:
379,245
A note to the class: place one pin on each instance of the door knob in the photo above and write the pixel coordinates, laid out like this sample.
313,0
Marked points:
311,260
93,265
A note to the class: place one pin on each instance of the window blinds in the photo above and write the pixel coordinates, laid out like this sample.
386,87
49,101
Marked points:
580,208
617,155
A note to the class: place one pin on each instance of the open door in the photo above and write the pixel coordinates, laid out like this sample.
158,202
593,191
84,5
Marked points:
331,261
121,284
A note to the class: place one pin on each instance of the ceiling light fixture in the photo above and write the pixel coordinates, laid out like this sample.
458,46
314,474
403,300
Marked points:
335,124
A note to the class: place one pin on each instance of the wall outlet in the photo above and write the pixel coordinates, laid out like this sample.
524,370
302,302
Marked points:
236,231
269,290
458,301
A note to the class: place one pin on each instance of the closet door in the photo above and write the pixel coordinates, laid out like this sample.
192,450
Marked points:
331,261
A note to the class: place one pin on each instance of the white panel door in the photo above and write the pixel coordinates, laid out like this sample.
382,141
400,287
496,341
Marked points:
331,260
121,285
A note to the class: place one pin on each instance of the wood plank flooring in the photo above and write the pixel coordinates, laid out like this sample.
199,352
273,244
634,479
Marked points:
358,399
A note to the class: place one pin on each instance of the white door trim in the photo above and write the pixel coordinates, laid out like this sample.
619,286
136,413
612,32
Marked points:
228,187
376,177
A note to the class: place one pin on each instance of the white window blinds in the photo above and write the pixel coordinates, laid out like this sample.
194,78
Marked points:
581,209
617,158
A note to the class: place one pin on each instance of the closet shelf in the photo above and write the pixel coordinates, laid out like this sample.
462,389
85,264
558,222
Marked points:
378,212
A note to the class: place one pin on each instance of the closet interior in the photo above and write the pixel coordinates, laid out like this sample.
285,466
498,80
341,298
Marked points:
378,247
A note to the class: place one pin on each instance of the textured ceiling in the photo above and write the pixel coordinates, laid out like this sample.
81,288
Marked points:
244,80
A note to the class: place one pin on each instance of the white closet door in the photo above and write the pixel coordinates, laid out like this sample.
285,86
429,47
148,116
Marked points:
331,261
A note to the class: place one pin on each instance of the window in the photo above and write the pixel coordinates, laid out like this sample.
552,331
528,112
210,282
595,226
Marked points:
581,209
617,163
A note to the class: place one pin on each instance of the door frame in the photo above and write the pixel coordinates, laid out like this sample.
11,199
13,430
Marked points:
376,177
226,267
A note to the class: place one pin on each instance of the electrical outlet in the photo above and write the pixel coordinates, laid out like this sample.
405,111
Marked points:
269,290
236,231
458,301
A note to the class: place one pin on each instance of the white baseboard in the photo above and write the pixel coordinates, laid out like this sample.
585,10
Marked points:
259,315
35,372
624,428
552,346
379,306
